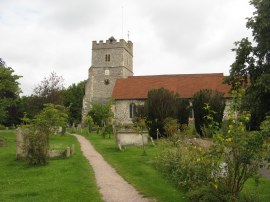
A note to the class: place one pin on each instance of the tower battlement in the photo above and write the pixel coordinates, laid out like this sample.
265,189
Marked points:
112,43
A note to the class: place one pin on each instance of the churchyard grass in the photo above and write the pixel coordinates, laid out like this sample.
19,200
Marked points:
61,180
137,169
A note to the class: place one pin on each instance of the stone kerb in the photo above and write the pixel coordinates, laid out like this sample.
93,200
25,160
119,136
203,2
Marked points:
130,138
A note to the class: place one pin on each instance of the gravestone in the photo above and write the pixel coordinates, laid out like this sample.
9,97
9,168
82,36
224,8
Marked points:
20,142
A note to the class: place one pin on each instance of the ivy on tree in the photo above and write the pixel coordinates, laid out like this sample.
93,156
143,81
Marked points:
252,64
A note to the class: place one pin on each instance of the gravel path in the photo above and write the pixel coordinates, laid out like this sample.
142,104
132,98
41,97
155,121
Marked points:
113,187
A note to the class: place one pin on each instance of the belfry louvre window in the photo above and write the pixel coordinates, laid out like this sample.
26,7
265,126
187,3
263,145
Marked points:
107,57
132,110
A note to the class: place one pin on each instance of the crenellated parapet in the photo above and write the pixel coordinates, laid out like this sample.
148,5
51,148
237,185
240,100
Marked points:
112,43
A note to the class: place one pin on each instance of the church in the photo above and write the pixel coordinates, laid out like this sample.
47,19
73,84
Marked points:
110,77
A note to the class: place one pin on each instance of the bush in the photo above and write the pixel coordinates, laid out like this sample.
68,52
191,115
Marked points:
186,165
183,111
216,102
37,131
2,127
160,104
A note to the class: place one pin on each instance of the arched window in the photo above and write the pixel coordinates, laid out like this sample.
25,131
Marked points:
132,110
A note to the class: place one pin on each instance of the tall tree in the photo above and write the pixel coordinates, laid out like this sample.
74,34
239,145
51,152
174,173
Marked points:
50,90
9,94
215,100
160,104
252,64
73,99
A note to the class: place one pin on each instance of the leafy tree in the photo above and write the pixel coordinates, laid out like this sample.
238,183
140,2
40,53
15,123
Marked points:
216,102
160,104
73,99
9,94
101,113
50,90
37,132
252,64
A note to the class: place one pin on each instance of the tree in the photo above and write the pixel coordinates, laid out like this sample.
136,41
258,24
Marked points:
183,111
252,64
50,90
160,104
37,133
73,99
9,93
202,99
101,113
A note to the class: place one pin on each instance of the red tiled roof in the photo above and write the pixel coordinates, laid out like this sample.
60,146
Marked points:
186,85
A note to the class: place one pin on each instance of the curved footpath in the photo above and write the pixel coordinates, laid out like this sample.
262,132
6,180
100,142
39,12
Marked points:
113,187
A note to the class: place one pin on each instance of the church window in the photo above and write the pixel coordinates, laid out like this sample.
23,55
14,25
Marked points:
107,57
132,110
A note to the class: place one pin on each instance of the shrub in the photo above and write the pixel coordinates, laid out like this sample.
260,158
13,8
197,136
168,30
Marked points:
215,100
37,132
101,113
183,111
186,165
2,127
160,104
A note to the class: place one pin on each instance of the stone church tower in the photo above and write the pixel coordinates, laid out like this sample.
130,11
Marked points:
110,60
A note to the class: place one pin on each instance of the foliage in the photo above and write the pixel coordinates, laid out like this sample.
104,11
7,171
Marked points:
241,151
215,100
171,126
73,99
9,94
252,64
101,113
160,104
187,165
265,127
183,111
50,90
37,133
88,123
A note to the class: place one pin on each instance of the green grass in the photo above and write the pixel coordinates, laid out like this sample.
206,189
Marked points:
61,180
137,169
262,190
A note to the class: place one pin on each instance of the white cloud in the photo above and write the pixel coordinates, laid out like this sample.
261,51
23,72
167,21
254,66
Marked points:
170,37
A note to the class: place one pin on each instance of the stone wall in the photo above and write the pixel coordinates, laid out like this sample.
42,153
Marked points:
121,110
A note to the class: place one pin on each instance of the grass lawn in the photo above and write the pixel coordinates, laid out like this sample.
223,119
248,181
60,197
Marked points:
61,180
137,169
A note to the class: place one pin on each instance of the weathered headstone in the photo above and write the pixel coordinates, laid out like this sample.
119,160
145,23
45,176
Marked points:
20,142
72,151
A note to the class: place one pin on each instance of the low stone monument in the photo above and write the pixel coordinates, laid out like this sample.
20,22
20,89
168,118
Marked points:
130,138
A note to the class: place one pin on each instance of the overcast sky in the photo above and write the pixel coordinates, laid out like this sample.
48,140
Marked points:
38,37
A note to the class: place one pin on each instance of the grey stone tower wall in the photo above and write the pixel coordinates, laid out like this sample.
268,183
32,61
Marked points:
97,88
